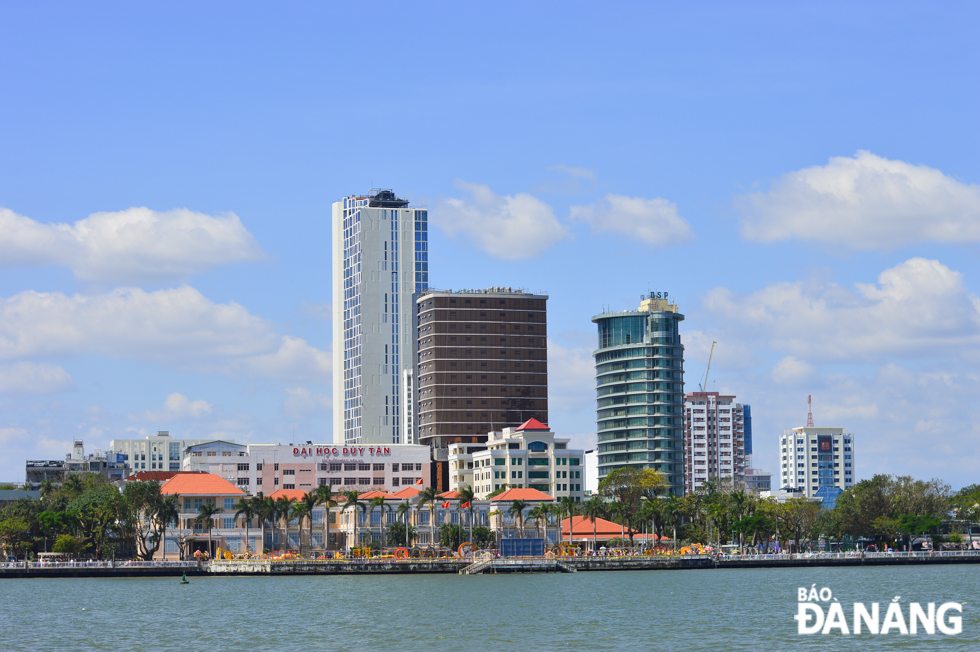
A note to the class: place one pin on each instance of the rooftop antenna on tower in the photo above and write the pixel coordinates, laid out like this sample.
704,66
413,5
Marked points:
809,411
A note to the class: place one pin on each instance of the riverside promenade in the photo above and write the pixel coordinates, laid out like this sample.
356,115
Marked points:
455,565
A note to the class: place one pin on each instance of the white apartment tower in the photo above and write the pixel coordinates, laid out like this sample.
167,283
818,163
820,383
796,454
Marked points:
717,439
159,452
812,458
380,260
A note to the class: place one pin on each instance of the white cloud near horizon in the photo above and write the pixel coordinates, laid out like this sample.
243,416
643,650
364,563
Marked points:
864,202
511,227
130,246
32,378
177,327
918,308
653,221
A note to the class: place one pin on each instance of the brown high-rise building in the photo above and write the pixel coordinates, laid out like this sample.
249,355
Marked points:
482,364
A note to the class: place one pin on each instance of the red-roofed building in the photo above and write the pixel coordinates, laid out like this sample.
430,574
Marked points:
527,495
155,476
526,457
193,491
581,528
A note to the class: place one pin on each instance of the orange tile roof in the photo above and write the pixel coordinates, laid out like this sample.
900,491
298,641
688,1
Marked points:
368,495
407,492
522,494
207,484
582,528
291,494
449,495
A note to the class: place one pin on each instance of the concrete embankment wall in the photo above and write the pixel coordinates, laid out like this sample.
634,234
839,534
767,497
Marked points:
338,567
98,571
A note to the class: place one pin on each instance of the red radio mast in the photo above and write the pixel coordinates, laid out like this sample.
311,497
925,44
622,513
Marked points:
809,411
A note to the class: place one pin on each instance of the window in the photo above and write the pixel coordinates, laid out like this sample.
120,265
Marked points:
243,467
335,467
418,466
258,467
364,481
289,486
198,502
229,503
350,466
228,523
379,467
394,467
275,467
363,467
289,472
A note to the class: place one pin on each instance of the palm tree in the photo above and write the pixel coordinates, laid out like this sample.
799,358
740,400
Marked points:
403,510
559,511
570,508
245,507
622,510
648,511
168,512
430,496
301,510
379,503
466,496
206,514
309,500
265,510
325,497
540,513
353,503
516,510
284,506
592,509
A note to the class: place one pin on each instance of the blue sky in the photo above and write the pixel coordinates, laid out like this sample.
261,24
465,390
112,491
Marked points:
803,179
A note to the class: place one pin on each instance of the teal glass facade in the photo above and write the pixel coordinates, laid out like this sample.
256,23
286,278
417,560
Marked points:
640,393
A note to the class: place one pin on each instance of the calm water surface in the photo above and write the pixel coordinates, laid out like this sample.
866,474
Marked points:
652,610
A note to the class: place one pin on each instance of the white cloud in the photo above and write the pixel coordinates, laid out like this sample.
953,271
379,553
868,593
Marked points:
918,308
864,202
176,407
575,173
32,378
137,244
176,327
509,227
653,221
301,403
792,371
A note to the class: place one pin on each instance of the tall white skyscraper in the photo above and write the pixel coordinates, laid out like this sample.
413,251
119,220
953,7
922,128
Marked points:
380,260
717,439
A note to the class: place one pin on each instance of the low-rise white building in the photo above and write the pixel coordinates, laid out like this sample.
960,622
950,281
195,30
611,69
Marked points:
159,452
270,467
529,456
811,458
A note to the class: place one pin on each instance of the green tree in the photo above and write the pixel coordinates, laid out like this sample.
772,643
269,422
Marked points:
168,514
301,510
398,536
140,508
325,497
516,510
355,505
593,509
284,507
482,537
403,508
245,508
67,544
205,516
378,502
466,497
430,496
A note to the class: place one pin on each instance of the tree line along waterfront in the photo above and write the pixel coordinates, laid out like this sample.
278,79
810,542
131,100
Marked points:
87,517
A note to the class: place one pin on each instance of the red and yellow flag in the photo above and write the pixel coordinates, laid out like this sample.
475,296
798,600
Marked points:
419,481
445,505
465,505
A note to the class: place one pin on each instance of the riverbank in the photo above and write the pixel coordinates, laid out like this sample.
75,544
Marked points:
456,566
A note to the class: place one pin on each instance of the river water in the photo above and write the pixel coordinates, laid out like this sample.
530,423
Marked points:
634,610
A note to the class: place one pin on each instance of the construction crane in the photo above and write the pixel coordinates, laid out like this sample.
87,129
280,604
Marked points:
704,387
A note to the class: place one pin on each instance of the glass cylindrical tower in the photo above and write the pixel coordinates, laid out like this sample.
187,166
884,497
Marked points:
640,390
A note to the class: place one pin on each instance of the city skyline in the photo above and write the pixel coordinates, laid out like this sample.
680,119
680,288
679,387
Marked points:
165,210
